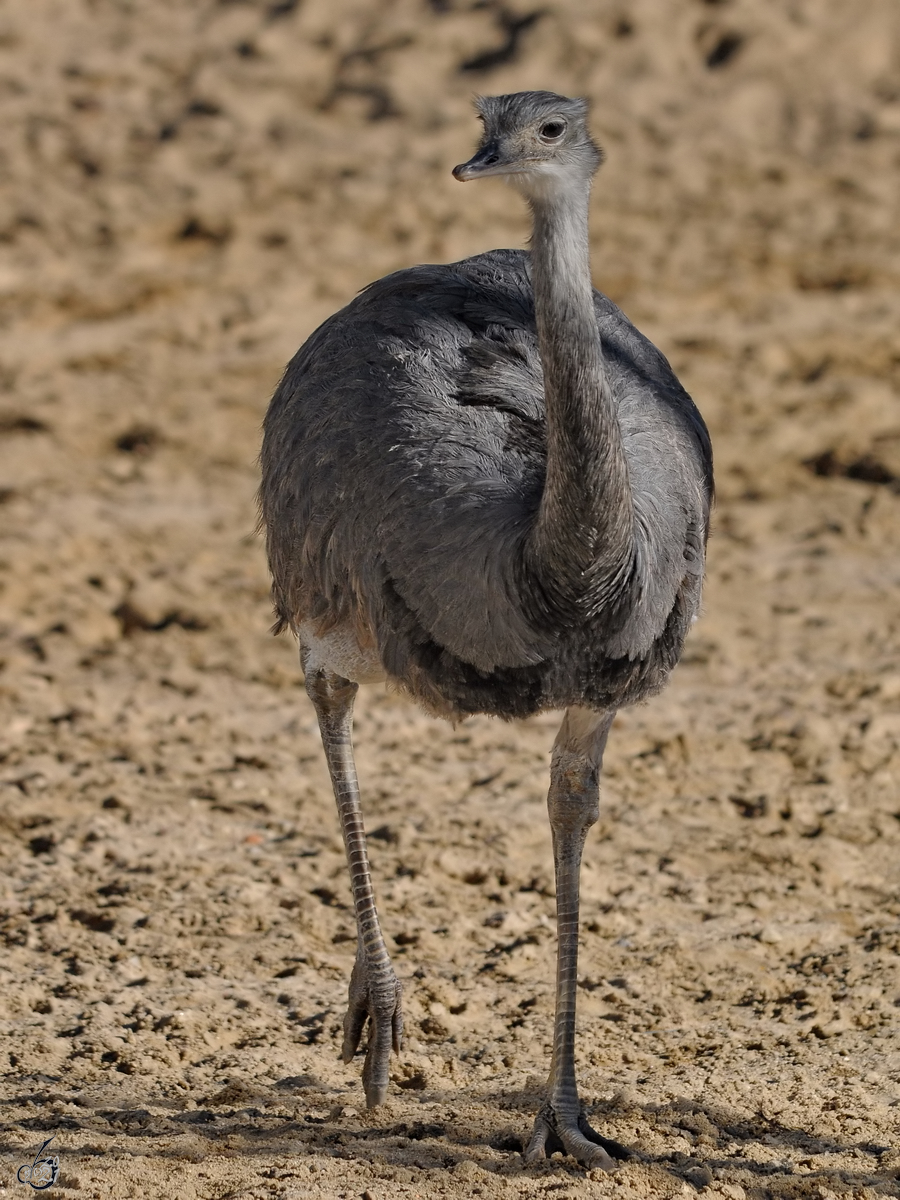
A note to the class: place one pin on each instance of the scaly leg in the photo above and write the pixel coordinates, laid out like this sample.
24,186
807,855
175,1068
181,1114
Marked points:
573,804
374,988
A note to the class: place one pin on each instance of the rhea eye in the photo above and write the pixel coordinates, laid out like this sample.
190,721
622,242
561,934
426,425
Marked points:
552,130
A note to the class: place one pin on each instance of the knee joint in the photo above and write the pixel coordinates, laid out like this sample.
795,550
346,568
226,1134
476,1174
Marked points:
574,798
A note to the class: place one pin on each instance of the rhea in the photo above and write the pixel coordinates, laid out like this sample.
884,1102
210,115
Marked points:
483,484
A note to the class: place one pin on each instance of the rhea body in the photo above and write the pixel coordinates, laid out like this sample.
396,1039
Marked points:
481,482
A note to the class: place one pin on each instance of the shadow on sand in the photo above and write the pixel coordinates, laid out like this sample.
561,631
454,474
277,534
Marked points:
764,1156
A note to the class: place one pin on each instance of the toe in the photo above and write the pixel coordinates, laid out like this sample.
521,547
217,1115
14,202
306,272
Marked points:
397,1028
545,1139
536,1150
354,1023
375,1083
376,1070
586,1145
588,1153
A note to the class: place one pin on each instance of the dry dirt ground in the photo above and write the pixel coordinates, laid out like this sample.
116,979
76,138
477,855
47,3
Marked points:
189,187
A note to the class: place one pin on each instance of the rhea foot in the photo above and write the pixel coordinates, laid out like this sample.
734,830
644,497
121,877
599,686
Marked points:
572,1136
377,1001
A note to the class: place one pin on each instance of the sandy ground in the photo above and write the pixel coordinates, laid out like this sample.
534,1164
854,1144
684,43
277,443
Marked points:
189,187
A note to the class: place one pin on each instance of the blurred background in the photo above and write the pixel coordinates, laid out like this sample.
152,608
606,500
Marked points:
188,188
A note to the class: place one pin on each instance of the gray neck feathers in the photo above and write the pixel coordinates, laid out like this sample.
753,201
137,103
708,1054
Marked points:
581,544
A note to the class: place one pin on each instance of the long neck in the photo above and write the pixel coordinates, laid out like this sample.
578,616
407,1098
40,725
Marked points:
581,544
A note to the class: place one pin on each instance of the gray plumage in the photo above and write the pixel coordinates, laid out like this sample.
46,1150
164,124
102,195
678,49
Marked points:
403,466
483,479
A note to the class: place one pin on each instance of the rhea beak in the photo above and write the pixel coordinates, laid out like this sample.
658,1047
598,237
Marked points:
485,161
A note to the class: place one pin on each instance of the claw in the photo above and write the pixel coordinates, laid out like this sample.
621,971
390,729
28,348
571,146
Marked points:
380,1006
577,1138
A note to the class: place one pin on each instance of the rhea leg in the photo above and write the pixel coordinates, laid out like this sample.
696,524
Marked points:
374,988
573,805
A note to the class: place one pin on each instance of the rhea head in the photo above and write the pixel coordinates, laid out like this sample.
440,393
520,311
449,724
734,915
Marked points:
537,141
